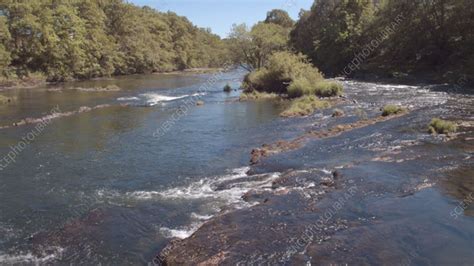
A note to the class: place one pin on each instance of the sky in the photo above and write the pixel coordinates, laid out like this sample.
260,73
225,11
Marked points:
219,15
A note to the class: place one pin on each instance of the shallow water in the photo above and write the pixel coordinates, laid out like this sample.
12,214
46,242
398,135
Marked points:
102,187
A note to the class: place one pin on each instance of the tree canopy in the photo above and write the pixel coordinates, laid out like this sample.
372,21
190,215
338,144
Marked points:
86,39
420,36
279,17
252,48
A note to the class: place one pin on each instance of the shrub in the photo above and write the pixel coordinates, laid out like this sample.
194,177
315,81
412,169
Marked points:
304,106
302,86
256,96
285,69
390,109
227,88
439,126
328,88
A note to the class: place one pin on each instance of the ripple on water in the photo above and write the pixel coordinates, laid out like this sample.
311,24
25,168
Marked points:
218,192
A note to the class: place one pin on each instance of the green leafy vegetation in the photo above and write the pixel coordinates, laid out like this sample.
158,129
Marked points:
279,17
305,106
351,37
251,48
300,87
257,96
291,74
86,39
391,109
439,126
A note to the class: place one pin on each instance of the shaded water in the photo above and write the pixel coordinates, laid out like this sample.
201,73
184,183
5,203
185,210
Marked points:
100,186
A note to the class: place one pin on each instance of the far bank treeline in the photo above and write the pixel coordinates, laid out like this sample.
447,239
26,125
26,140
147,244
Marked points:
81,39
431,39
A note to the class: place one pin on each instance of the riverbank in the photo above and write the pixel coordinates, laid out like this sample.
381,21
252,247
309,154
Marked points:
38,80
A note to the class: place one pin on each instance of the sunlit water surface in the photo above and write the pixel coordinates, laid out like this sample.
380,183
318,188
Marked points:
103,186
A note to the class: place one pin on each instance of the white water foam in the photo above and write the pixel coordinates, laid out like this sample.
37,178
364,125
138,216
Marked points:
122,99
155,98
227,189
207,188
28,258
224,190
183,232
200,216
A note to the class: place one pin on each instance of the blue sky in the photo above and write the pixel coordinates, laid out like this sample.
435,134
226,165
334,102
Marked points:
219,15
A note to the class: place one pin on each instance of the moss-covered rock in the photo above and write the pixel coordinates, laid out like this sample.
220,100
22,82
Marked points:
391,109
439,126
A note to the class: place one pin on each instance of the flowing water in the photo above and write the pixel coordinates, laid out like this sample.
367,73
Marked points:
106,182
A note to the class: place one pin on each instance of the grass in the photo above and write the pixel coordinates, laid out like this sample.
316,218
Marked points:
391,109
305,106
439,126
227,88
256,96
301,87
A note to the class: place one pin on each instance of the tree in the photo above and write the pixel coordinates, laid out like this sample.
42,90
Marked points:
85,39
251,49
279,17
4,41
332,32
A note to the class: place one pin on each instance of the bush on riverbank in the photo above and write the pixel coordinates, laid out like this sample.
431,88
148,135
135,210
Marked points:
256,96
304,106
439,126
391,109
291,74
302,87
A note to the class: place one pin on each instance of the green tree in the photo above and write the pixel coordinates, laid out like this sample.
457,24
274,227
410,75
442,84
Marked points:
251,49
279,17
99,47
85,39
4,41
332,32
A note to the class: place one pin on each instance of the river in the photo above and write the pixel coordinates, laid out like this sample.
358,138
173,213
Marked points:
115,175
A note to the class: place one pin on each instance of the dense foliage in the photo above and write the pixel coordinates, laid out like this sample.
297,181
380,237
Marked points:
407,36
291,74
86,39
252,48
